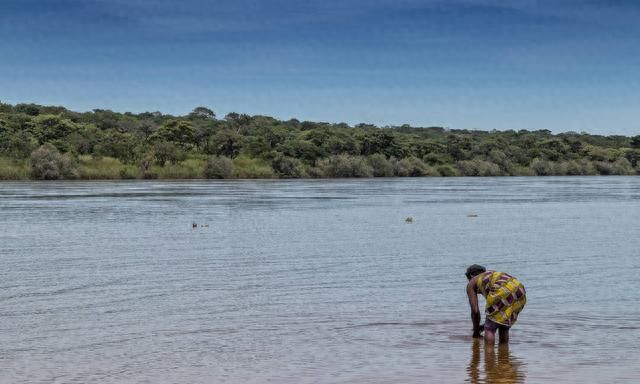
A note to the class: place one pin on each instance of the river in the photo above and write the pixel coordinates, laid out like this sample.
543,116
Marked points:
315,281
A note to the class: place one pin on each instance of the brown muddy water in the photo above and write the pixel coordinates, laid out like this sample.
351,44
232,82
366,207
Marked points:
315,281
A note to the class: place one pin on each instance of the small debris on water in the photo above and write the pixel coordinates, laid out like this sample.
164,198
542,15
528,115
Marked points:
472,215
409,219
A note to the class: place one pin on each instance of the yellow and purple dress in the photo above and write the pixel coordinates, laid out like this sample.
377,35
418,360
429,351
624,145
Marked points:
504,294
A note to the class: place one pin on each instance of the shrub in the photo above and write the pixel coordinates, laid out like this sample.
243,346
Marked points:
399,169
127,173
622,166
286,166
47,163
313,172
498,157
447,170
165,151
434,158
381,166
542,167
413,166
345,166
577,168
145,168
218,167
477,167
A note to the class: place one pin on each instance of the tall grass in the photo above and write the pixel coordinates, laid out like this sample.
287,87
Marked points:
96,168
187,169
250,168
11,169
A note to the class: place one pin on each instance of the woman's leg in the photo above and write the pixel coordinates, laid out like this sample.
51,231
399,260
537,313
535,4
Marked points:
489,336
503,333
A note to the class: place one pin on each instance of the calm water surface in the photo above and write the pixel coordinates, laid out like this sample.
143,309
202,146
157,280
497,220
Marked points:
315,281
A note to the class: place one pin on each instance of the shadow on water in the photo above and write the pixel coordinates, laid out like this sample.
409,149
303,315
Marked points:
500,366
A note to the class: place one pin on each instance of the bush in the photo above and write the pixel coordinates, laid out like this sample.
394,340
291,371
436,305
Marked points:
447,170
47,163
218,167
477,167
313,172
434,158
399,169
345,166
542,167
287,167
165,151
499,158
381,166
127,173
413,167
623,166
577,168
145,168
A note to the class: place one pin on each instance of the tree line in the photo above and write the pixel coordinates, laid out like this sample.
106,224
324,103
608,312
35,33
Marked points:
52,142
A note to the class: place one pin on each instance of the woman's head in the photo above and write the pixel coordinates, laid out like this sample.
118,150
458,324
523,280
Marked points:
474,270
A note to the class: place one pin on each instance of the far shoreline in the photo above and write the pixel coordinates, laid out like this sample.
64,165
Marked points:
50,143
308,179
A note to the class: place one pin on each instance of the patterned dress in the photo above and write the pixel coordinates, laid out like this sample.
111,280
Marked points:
504,294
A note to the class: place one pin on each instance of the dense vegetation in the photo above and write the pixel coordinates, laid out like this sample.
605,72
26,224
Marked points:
47,142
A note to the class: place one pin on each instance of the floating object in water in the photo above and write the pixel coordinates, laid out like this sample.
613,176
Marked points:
194,225
205,225
472,215
409,219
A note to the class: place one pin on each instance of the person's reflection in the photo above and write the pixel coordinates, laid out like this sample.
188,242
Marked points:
499,365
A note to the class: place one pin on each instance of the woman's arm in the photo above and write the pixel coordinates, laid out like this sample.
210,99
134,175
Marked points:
473,303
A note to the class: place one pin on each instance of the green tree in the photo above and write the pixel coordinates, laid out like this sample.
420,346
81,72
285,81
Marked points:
380,142
178,132
164,151
48,128
122,146
301,149
224,143
202,113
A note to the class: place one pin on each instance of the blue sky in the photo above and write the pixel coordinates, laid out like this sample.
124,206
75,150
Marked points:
486,64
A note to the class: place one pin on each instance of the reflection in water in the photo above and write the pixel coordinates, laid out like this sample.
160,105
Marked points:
499,365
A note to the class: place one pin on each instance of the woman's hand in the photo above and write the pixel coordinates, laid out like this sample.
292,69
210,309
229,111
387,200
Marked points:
478,332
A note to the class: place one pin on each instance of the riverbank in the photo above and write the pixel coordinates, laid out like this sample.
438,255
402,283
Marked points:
51,143
87,167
